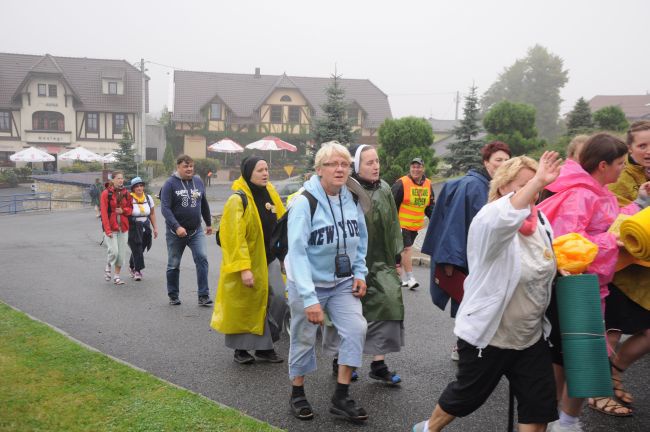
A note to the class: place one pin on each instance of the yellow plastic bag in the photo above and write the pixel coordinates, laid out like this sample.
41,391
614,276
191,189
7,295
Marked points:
574,253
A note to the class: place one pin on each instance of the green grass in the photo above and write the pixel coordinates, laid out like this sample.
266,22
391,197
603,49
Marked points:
50,383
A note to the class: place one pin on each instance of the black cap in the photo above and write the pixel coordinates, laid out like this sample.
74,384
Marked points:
417,160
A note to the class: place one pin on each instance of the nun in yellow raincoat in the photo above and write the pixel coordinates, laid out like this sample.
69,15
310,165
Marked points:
245,299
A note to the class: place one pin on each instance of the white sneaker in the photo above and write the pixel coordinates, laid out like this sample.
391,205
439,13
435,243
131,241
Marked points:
412,284
405,284
556,427
454,353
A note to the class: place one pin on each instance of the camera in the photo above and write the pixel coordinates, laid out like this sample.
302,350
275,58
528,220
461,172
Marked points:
342,265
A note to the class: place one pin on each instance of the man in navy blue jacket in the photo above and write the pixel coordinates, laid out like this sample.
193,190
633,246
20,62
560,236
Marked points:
183,202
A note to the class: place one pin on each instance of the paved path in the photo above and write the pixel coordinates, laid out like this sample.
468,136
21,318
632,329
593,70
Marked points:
52,268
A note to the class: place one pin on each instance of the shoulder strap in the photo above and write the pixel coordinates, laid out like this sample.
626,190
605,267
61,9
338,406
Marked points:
313,202
244,198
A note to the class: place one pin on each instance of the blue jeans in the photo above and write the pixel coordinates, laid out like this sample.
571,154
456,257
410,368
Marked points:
345,312
195,240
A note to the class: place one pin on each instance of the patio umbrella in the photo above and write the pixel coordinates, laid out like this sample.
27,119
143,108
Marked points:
31,154
109,158
226,146
271,143
81,154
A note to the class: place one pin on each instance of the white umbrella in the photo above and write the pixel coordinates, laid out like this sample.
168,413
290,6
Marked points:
271,143
31,154
109,158
81,154
226,146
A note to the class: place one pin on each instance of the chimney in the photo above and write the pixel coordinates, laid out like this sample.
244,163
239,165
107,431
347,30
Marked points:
257,73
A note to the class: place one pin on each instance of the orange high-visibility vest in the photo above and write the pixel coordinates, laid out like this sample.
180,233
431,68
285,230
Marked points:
415,201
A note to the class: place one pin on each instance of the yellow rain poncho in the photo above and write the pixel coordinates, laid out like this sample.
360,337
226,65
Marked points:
238,308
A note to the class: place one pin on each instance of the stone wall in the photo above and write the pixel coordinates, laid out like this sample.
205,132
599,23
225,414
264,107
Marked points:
64,196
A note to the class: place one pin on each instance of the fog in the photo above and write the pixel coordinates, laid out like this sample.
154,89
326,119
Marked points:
418,53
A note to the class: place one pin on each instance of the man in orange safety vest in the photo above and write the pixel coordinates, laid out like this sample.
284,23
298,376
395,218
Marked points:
414,199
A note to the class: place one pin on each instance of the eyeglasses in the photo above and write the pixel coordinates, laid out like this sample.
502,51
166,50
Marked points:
344,165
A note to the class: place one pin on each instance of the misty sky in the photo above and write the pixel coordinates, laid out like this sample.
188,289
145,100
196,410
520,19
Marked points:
418,53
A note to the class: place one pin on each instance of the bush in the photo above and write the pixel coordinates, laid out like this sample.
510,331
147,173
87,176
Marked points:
203,166
9,176
24,174
81,167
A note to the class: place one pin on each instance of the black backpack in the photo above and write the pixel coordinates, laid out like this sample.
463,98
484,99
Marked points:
279,240
244,201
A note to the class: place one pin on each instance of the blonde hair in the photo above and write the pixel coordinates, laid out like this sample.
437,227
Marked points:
575,146
507,172
329,149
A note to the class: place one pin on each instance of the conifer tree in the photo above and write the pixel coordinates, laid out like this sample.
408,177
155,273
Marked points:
579,120
126,157
334,125
464,152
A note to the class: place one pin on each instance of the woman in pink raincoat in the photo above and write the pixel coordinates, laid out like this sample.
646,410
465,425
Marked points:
581,203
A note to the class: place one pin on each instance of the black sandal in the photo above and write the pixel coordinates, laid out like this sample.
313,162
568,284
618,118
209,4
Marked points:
301,408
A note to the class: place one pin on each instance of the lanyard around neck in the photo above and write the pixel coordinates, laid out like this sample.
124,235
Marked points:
345,246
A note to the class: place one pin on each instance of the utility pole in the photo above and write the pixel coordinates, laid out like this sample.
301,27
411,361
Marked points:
457,102
143,120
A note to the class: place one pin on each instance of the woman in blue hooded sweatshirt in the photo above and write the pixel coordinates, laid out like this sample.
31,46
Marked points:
326,271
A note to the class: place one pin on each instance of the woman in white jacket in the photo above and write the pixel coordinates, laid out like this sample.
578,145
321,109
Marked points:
501,325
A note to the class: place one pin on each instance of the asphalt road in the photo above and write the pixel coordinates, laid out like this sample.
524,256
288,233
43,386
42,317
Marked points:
52,268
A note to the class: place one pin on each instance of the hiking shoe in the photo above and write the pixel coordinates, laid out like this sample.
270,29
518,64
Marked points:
335,370
243,357
412,284
268,356
349,409
454,353
137,276
132,273
204,300
174,301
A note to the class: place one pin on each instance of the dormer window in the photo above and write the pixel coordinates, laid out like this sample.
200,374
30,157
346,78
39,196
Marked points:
42,90
52,90
353,116
215,111
112,87
285,98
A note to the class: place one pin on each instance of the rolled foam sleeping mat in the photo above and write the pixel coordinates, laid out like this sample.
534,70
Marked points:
586,365
635,234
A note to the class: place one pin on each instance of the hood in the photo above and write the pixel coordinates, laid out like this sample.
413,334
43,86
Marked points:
240,184
572,175
479,175
314,187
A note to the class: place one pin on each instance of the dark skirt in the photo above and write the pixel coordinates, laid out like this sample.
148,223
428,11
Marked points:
624,314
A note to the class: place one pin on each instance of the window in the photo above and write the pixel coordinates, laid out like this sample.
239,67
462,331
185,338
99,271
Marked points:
48,121
52,90
42,89
92,122
119,121
151,153
294,114
285,98
112,87
353,116
276,114
5,121
4,159
215,111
